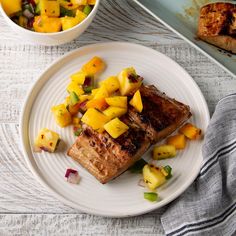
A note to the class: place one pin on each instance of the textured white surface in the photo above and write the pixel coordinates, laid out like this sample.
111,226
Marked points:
26,208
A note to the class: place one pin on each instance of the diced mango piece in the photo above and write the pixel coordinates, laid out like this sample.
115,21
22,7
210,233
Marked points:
190,131
47,140
153,176
136,101
129,81
78,77
94,66
45,24
80,15
116,127
91,2
178,140
74,87
85,97
113,112
69,22
94,91
61,115
163,152
75,120
95,119
11,6
50,8
101,93
117,101
99,104
111,83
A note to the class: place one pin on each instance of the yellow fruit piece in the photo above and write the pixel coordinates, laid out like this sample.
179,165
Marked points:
11,6
99,104
190,131
117,101
50,8
178,140
47,140
113,112
79,2
94,66
94,91
101,93
153,177
136,101
68,5
61,115
163,152
85,97
69,22
79,77
116,127
95,119
80,15
91,2
74,87
129,81
44,24
111,83
75,120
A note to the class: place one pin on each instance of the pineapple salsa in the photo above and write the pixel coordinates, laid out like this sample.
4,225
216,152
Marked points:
48,16
100,106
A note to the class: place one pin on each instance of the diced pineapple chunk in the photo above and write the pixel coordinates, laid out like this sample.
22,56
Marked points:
85,97
113,112
50,8
69,22
190,131
95,119
47,140
61,115
136,101
101,93
163,152
129,81
11,7
80,15
116,127
111,83
94,91
99,104
94,66
78,77
45,24
117,101
153,176
178,140
74,87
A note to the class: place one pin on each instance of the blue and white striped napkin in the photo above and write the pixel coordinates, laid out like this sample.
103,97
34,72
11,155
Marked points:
208,206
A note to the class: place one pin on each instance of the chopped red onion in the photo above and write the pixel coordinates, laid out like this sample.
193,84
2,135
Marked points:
141,183
72,176
28,14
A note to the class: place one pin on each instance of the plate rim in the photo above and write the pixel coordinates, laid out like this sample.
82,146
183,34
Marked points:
40,178
185,38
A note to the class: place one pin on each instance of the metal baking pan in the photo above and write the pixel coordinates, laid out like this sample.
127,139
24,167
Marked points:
181,16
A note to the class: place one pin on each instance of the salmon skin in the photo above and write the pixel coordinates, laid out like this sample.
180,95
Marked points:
217,25
106,158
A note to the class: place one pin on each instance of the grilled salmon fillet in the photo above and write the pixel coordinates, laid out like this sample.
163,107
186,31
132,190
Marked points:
106,158
217,25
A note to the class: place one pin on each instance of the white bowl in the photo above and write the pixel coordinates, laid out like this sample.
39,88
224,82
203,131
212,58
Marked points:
51,39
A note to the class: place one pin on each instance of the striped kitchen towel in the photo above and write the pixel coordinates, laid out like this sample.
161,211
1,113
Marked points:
208,206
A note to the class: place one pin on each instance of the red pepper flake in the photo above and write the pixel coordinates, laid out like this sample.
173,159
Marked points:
50,144
42,136
70,5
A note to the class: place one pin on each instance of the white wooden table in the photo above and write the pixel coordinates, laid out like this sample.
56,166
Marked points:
26,208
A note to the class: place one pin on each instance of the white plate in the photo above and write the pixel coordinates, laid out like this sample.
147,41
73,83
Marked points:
121,197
